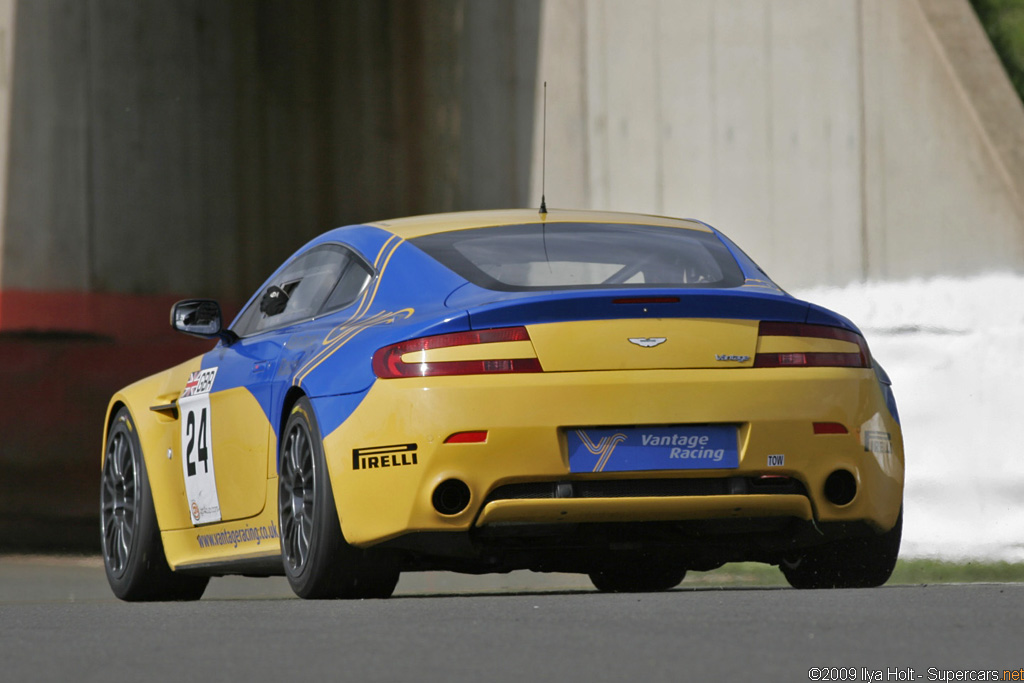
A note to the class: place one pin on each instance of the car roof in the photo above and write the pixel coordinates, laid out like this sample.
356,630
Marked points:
417,226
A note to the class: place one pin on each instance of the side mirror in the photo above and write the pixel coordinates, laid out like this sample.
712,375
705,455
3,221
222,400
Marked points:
200,318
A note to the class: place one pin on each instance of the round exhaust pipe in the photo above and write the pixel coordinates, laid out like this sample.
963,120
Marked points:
840,487
451,497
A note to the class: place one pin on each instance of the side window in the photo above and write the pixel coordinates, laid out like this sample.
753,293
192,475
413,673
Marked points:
352,283
302,290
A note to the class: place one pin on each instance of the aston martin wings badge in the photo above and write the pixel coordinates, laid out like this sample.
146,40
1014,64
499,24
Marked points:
647,342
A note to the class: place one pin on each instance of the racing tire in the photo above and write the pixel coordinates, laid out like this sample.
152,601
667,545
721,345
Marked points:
637,576
133,554
865,562
318,562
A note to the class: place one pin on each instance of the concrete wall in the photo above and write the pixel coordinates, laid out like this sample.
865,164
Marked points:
119,147
190,146
835,141
6,62
944,144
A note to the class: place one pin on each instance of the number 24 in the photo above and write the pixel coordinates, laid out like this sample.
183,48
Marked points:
203,450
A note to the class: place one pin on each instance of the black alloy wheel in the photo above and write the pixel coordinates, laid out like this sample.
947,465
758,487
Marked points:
317,560
133,554
119,502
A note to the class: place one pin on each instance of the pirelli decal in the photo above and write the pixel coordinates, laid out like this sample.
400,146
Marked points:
377,457
878,442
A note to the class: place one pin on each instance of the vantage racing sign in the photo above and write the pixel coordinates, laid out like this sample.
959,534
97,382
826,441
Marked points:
197,447
631,449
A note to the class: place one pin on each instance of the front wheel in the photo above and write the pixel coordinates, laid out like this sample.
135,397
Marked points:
864,562
133,554
318,562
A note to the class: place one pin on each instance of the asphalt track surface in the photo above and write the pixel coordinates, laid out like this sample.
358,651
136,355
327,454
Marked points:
59,622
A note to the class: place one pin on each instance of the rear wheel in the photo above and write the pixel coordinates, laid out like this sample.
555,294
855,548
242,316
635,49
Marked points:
638,576
133,554
318,562
851,563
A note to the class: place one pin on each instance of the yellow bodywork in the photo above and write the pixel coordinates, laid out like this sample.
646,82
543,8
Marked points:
417,226
523,415
247,489
644,509
526,415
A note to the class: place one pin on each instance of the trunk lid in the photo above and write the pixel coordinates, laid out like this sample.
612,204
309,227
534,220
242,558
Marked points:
632,329
644,344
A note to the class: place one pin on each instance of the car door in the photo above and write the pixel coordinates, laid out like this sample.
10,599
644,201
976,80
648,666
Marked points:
227,431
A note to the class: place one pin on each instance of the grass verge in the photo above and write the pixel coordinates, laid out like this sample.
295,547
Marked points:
908,572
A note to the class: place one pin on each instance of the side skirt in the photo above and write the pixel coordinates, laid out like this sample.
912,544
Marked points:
263,564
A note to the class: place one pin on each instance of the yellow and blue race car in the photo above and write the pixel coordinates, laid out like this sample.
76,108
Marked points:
620,395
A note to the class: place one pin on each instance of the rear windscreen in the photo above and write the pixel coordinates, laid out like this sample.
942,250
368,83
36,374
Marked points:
584,256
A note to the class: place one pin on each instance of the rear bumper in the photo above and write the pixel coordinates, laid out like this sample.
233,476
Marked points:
649,509
526,416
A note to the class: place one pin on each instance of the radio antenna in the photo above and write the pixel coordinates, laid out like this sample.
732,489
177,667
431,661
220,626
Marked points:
544,151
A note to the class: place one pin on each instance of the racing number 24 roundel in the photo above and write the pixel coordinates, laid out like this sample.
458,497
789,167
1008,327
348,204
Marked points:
196,449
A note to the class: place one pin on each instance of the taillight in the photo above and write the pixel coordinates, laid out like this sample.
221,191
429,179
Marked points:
808,358
388,363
